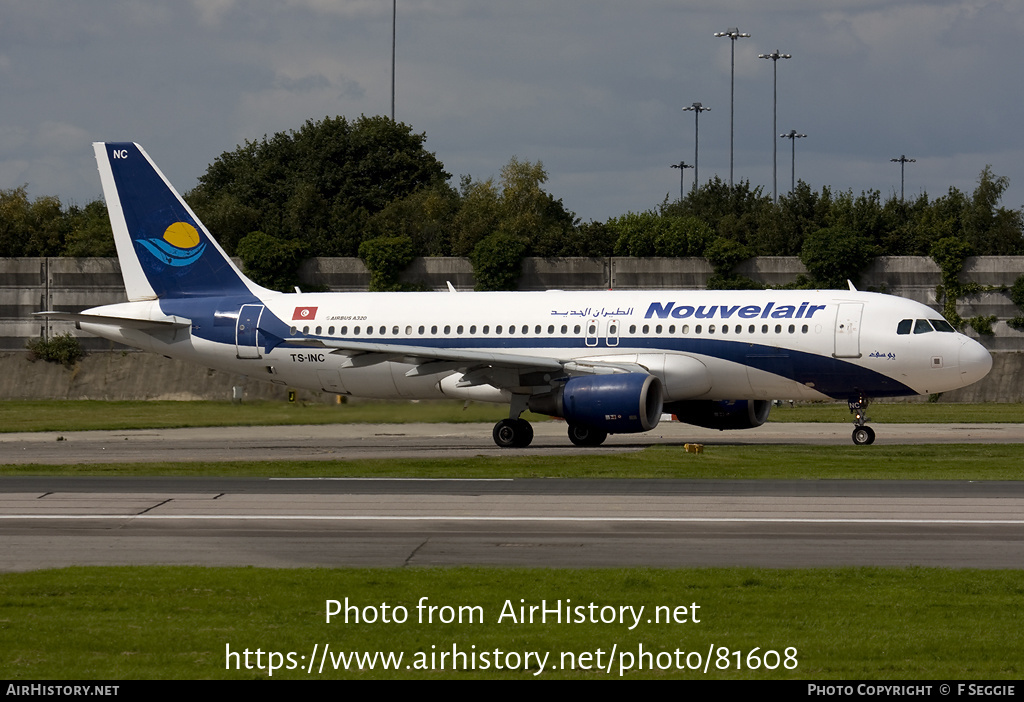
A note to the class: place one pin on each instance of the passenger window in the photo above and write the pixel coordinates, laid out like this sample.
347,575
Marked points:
344,331
697,329
293,330
632,329
305,330
526,329
921,326
764,328
711,329
356,331
646,329
576,329
384,331
565,329
460,328
904,326
685,329
551,329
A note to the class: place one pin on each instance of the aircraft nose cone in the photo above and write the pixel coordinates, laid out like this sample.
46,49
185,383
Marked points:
975,362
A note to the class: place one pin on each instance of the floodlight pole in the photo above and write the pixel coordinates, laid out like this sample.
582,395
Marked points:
682,166
793,135
775,56
696,108
733,33
902,160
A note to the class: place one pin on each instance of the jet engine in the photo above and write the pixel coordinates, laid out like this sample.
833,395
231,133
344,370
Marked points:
622,403
721,414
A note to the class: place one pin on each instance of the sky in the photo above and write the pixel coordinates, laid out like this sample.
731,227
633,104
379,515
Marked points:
594,89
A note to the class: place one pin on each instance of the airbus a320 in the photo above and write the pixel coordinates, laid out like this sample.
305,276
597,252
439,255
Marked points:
607,362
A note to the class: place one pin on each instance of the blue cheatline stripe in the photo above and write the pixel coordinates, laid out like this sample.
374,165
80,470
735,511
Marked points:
833,377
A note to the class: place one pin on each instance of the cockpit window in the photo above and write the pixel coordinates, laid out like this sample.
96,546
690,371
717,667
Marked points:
904,326
942,325
921,326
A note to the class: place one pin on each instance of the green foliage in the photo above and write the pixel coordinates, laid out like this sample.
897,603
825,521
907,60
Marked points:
1017,292
834,255
319,185
652,234
60,348
90,233
271,262
387,257
31,227
951,254
983,325
726,254
497,261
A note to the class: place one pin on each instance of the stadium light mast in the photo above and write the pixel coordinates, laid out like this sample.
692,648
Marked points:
793,135
775,56
696,108
903,161
732,33
394,23
682,166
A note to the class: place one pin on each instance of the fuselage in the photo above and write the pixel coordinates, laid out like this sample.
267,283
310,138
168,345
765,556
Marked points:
800,345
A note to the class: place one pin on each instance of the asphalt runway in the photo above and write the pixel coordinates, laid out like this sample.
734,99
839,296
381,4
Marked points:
333,442
63,521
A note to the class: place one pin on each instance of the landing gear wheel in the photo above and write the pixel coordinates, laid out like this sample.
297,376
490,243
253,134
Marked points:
863,436
585,436
513,433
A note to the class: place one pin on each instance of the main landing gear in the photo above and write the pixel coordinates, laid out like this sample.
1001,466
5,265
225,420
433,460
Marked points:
585,436
863,435
513,433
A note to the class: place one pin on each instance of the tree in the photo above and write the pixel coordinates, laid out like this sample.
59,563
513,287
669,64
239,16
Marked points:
271,262
319,185
31,228
836,254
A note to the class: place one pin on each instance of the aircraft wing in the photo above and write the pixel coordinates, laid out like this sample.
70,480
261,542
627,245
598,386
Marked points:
428,359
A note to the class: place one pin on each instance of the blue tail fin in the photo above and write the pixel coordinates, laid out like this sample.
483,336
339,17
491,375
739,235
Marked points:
164,250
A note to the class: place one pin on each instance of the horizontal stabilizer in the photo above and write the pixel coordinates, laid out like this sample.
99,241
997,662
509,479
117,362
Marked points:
128,322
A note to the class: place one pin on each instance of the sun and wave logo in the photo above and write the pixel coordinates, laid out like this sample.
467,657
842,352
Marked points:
180,245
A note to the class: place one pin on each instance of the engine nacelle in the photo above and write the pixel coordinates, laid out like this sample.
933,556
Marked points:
621,403
721,414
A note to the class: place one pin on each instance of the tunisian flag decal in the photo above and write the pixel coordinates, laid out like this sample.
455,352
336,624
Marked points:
304,313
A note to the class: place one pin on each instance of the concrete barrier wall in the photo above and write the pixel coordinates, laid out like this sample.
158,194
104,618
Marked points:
30,285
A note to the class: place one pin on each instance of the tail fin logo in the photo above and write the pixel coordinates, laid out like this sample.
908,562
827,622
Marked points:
180,246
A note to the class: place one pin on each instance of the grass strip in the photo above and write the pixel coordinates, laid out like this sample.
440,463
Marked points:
82,415
124,623
777,462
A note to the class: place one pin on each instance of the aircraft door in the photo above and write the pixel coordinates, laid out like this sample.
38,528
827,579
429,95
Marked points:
848,330
246,341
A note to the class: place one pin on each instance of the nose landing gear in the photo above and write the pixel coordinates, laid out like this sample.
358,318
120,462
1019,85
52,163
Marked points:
863,435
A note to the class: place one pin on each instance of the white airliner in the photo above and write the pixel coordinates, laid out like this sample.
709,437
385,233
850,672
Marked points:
607,362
